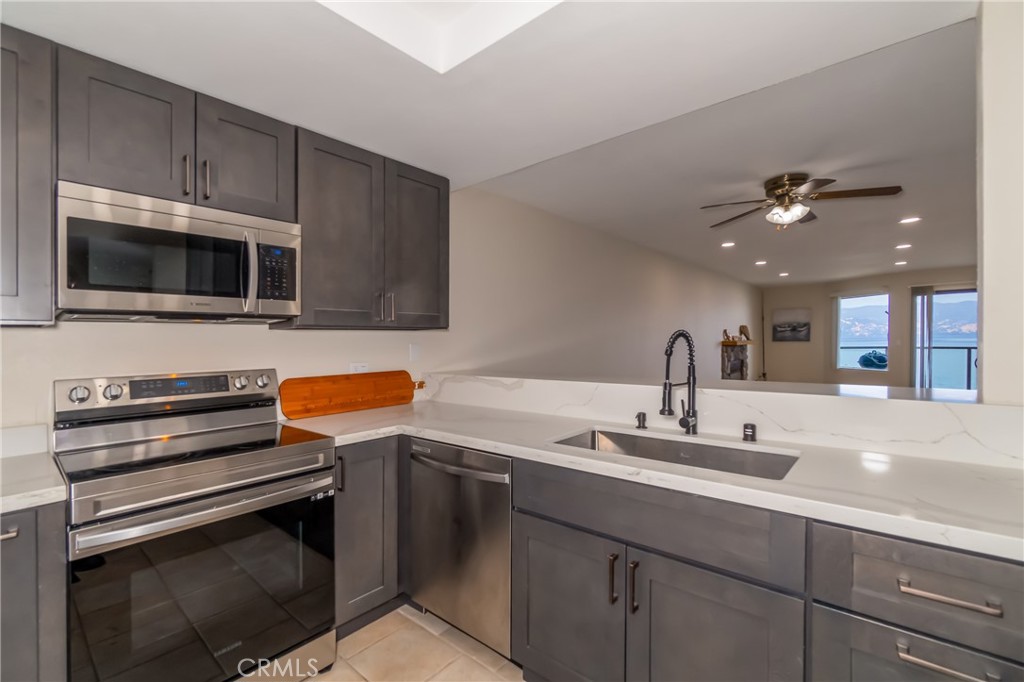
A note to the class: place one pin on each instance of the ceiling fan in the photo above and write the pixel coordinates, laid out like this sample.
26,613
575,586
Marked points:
785,194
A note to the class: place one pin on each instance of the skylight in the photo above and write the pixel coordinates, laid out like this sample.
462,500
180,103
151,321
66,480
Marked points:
440,35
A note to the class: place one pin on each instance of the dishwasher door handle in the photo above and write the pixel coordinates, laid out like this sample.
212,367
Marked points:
467,472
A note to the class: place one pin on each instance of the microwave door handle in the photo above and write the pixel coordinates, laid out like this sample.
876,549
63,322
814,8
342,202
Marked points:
250,249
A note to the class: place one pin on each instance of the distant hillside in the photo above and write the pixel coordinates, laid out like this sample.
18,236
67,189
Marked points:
869,324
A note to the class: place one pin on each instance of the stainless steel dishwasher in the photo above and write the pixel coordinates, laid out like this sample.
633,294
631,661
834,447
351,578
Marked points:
461,532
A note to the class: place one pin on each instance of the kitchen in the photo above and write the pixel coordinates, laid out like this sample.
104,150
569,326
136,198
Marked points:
528,320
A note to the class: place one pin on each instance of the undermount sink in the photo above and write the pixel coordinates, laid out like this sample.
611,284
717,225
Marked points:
757,463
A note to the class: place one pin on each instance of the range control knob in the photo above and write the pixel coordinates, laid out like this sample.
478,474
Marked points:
113,392
263,381
241,382
79,394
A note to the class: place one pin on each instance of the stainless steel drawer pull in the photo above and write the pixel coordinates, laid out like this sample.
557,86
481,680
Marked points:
903,651
989,609
188,174
392,318
206,174
9,535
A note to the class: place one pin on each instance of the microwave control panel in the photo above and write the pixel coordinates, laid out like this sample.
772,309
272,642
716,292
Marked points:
277,273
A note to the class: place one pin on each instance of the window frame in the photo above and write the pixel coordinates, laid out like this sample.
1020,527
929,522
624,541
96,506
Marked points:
837,331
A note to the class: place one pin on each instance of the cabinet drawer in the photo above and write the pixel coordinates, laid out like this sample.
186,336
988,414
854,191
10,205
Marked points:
854,649
960,597
757,543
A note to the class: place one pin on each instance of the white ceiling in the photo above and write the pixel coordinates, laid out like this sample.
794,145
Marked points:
581,73
903,115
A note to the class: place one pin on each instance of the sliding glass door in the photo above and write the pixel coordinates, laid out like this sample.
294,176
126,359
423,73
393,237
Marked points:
945,338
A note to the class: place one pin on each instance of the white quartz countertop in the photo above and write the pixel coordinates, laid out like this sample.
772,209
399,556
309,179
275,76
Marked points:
30,480
964,506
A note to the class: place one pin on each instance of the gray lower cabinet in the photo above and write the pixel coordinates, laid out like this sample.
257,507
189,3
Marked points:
245,161
366,527
691,625
122,129
589,608
568,599
850,648
415,247
33,603
341,210
26,178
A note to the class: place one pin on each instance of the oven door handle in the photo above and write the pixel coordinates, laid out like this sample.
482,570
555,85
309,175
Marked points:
123,532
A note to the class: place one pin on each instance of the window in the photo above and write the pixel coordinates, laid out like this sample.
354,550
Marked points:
945,338
863,333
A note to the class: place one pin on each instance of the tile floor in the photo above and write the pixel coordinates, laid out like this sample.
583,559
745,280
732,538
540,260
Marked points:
409,646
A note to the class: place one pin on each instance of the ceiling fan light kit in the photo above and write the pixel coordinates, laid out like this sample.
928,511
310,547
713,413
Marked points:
785,194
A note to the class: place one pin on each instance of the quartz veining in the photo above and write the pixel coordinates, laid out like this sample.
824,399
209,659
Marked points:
972,507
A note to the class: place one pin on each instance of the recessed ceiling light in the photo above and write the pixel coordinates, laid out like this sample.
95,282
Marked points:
900,262
761,262
903,246
783,274
911,219
726,245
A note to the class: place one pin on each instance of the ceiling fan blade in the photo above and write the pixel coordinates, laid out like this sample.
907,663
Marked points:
737,203
808,218
813,185
737,217
854,193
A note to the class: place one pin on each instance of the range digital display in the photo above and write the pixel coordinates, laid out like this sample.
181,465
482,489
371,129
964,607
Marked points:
163,388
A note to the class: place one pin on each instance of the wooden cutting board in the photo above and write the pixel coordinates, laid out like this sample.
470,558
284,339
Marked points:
316,396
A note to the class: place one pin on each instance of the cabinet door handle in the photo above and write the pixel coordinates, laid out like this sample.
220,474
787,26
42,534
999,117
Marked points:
188,174
380,298
9,535
613,596
339,475
391,297
989,609
634,605
206,178
903,651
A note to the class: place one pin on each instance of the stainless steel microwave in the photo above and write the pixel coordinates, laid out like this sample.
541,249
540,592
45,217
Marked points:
125,256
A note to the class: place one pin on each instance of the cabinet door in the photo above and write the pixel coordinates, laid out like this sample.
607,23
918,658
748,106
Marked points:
26,176
849,648
366,527
687,624
245,161
124,130
568,602
19,609
416,248
341,210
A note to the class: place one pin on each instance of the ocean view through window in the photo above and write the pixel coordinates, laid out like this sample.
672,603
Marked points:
863,332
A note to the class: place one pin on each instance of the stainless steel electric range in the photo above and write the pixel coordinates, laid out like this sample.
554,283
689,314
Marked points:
200,530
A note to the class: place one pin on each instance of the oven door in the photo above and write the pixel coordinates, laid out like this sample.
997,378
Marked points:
204,589
120,259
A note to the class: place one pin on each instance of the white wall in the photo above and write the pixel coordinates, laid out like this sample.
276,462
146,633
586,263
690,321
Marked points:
814,361
532,295
1001,201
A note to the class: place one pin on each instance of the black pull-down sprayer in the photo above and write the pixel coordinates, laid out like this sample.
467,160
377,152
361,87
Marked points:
689,419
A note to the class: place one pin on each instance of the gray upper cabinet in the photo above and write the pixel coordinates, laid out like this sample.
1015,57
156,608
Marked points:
416,247
568,599
245,161
124,130
366,527
341,210
374,240
26,177
692,625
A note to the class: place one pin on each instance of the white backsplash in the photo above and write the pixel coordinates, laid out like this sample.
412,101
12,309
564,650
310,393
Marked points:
991,435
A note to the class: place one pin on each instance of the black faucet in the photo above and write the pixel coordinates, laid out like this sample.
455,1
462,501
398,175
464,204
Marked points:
689,420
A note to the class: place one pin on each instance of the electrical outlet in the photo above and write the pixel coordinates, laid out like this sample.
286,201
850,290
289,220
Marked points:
414,352
358,367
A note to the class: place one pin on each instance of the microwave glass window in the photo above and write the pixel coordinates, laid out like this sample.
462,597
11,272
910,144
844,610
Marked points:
112,257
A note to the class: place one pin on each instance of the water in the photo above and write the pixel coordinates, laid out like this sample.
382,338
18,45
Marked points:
949,365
